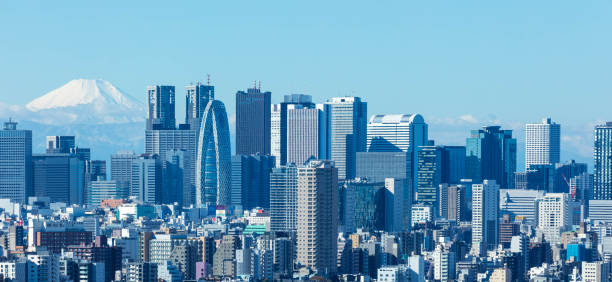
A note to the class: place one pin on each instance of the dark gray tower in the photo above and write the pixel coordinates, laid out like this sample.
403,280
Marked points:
253,122
196,98
161,107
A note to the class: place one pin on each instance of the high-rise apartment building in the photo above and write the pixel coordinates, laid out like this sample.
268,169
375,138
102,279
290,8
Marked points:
161,107
347,121
602,155
251,180
197,97
213,157
16,158
253,122
283,198
317,228
491,154
485,216
542,143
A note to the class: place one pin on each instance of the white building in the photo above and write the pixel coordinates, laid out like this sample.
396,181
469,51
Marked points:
542,143
275,132
401,132
554,215
421,214
485,215
595,271
444,264
520,204
306,133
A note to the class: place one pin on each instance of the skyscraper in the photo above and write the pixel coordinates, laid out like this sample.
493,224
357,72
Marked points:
16,158
485,216
177,177
61,177
161,107
146,179
213,163
429,175
253,122
121,171
347,122
275,132
306,134
100,190
542,143
453,164
491,154
197,97
395,133
251,180
60,144
602,155
317,230
554,215
162,142
283,198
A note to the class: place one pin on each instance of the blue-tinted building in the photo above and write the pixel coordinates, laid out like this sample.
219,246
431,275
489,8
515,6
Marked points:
197,97
453,164
564,172
61,177
347,126
362,205
253,122
429,174
576,251
283,198
251,180
491,154
16,159
214,163
602,155
161,107
176,180
376,166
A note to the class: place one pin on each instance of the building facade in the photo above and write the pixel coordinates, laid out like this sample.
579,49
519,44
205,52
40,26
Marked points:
491,154
602,155
542,143
161,107
253,122
16,158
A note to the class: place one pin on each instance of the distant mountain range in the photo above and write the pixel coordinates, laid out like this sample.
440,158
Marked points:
100,115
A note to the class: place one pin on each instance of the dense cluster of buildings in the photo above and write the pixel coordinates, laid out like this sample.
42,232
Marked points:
313,191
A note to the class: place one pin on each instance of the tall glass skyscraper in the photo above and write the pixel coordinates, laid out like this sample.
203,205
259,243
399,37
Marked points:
161,107
214,164
398,133
296,113
542,143
491,154
602,155
251,180
197,97
429,174
283,198
253,122
347,123
16,159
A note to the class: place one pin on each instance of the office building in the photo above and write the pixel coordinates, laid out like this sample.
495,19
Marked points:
376,166
146,181
602,155
275,133
485,216
595,271
121,171
317,228
161,107
491,154
421,214
539,177
429,175
600,210
61,177
177,177
213,162
362,205
164,142
521,205
347,121
554,215
581,187
251,181
306,133
197,97
444,264
456,209
100,190
60,144
564,172
283,198
395,133
453,164
253,122
397,205
542,143
141,272
16,158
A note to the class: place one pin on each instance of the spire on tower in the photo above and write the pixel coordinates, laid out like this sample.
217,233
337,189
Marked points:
208,79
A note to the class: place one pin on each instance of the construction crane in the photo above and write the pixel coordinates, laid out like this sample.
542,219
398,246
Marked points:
571,188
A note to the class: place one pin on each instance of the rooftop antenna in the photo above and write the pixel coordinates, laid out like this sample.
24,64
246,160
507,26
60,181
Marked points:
208,79
260,85
255,84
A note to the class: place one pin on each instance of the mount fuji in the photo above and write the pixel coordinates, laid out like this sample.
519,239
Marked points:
86,101
97,113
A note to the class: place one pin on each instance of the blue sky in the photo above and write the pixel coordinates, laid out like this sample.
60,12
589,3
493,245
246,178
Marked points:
461,64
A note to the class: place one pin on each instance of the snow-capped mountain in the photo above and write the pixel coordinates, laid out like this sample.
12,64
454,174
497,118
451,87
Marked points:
86,101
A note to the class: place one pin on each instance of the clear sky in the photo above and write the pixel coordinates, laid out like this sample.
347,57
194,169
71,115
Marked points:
459,63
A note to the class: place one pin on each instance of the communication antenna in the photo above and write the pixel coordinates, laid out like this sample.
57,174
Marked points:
208,79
